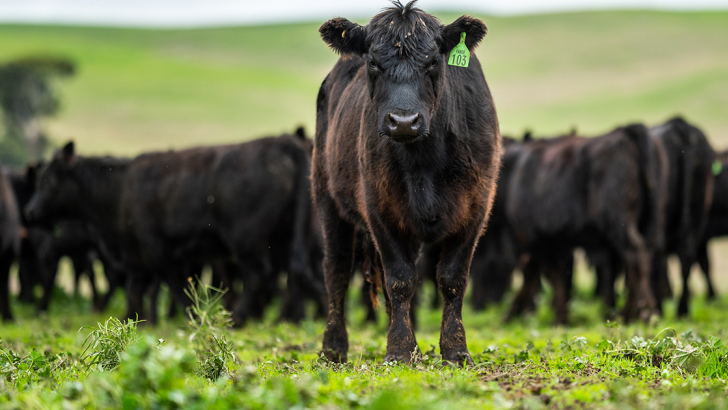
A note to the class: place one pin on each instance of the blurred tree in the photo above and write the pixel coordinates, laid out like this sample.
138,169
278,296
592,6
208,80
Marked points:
26,96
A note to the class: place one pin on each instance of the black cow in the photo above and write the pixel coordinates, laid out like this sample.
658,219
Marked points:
172,212
690,185
498,252
9,241
717,225
597,193
407,149
42,247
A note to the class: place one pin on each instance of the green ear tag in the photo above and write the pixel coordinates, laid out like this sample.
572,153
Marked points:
717,167
460,55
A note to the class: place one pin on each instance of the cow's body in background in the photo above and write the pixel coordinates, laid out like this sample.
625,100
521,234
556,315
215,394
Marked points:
717,225
690,192
9,241
169,213
603,193
43,245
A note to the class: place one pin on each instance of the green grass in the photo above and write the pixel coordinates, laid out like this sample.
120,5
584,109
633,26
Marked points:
668,363
140,90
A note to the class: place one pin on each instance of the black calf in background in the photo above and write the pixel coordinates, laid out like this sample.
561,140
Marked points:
601,192
42,247
172,212
498,253
690,182
9,241
717,225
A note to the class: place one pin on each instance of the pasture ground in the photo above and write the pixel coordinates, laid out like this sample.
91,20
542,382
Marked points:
669,363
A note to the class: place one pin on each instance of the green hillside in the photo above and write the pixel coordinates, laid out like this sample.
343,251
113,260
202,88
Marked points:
140,89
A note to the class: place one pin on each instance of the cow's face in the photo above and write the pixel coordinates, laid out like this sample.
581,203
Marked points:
405,51
57,192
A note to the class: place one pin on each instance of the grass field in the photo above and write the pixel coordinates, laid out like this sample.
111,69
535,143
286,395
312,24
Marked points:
527,364
138,90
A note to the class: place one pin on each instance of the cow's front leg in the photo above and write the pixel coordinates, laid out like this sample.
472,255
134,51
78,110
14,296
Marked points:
452,279
400,279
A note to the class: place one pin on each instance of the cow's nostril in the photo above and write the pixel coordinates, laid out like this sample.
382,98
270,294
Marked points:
415,124
391,121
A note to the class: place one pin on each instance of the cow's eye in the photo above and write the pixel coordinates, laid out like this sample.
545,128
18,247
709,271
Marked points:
373,65
433,65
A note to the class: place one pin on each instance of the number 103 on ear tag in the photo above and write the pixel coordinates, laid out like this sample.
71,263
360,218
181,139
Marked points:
460,55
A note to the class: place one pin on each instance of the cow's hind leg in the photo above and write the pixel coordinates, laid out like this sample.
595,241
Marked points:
704,262
687,260
137,286
83,264
525,298
606,267
338,267
659,279
640,300
27,272
5,261
560,274
49,270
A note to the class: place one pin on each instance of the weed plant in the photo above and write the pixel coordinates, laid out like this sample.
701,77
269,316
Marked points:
107,341
209,323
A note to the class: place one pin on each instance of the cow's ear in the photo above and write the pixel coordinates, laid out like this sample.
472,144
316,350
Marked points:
473,28
68,153
301,132
344,37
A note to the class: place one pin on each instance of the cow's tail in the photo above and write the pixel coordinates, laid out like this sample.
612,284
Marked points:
697,156
649,176
371,267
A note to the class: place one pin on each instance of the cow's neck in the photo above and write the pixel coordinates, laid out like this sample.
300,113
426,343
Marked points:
101,181
420,167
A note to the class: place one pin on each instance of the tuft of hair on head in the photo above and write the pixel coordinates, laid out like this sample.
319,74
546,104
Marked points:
404,9
528,135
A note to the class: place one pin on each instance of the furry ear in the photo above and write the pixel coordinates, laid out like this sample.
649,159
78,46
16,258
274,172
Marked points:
300,133
68,153
344,37
473,28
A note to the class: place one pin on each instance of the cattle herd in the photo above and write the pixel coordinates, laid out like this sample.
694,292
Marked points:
406,171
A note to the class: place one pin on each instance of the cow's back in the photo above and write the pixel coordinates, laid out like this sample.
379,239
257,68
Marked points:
569,186
227,195
546,192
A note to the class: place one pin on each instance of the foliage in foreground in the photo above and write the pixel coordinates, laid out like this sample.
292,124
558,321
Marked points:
107,341
209,323
672,364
